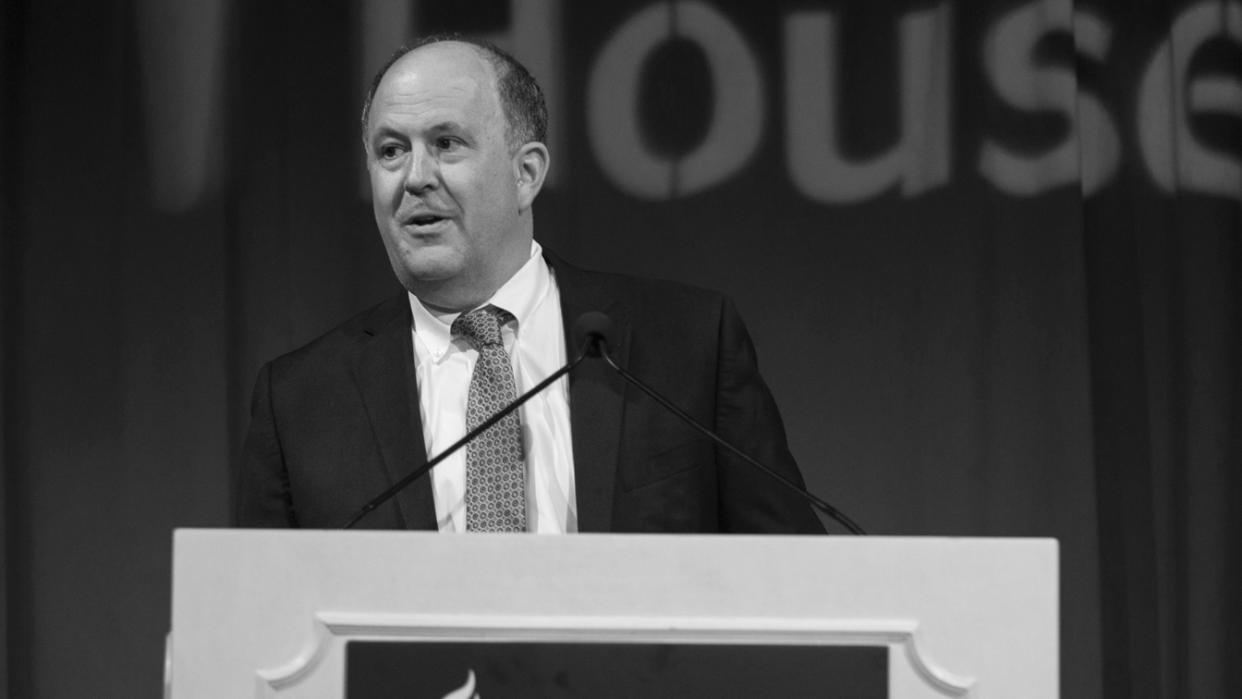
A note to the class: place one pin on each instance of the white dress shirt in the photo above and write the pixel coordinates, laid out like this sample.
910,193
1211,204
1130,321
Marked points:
535,341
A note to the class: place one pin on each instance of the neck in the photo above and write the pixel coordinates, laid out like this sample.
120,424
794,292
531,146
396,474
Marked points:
438,310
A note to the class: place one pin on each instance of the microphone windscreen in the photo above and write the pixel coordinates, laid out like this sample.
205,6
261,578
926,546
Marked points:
592,327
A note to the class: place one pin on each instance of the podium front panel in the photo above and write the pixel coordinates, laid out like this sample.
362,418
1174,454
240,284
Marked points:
298,613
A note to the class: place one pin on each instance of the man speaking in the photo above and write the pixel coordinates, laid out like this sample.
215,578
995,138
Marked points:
454,137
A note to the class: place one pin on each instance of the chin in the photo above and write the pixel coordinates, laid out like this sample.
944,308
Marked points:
428,267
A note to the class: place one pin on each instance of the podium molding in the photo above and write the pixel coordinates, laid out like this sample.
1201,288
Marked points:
333,629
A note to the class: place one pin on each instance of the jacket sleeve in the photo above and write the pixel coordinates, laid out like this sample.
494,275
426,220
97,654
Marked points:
747,416
261,495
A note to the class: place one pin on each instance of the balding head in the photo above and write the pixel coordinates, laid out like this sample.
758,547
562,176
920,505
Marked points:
521,99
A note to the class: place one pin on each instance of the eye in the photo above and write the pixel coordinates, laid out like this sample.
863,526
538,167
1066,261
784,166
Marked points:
389,151
447,142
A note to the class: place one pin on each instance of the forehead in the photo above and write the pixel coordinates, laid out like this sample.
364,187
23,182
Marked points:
438,81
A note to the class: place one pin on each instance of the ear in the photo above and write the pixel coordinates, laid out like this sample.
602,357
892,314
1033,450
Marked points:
530,165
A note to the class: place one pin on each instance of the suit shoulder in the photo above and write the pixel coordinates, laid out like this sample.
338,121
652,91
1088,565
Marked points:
332,348
645,292
670,291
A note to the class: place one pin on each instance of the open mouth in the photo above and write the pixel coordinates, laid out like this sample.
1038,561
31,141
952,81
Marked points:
424,220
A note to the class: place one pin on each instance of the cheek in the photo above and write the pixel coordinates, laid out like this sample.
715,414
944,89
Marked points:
385,190
495,194
484,184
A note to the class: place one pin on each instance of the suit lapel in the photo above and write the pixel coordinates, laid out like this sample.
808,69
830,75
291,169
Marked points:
596,396
384,372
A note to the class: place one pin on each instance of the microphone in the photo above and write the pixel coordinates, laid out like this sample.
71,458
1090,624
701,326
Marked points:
587,338
592,330
595,330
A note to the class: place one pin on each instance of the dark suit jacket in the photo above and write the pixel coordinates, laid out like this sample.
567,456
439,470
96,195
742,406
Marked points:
336,422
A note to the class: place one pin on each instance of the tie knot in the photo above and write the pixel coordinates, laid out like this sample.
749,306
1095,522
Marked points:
481,327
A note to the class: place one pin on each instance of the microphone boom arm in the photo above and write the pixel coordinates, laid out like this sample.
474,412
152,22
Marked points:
602,344
483,427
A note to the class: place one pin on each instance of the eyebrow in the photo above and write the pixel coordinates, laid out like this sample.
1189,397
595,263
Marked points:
448,126
383,130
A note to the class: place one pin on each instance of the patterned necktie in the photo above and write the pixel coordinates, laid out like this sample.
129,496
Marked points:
495,469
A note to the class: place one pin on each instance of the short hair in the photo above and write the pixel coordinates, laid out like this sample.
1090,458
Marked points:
526,113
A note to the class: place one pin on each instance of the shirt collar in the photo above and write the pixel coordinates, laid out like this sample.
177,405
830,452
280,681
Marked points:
519,296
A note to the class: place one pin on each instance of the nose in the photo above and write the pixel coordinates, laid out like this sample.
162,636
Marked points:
422,173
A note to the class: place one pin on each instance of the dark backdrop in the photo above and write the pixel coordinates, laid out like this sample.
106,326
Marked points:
1012,226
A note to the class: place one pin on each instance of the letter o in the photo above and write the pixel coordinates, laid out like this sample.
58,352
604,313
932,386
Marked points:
612,93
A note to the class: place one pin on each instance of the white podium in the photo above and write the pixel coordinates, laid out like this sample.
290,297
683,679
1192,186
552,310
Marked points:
259,613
